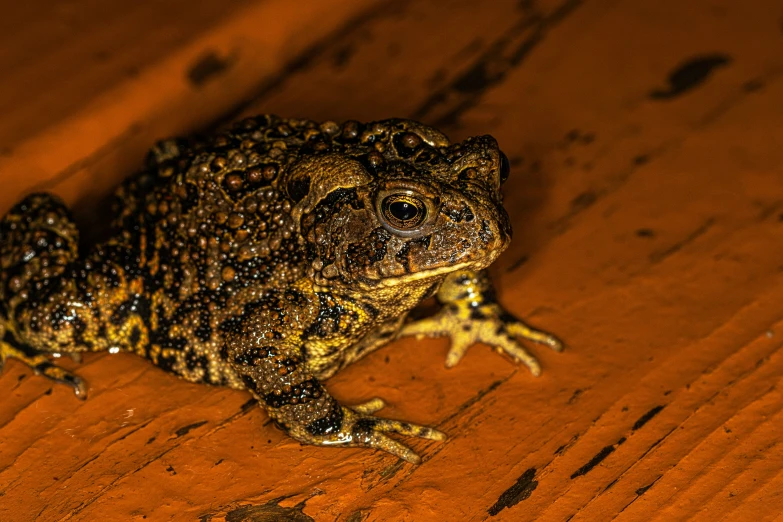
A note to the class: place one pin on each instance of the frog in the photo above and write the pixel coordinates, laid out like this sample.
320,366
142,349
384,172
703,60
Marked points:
266,257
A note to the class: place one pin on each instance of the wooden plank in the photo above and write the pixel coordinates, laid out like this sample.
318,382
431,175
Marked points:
647,211
54,59
179,84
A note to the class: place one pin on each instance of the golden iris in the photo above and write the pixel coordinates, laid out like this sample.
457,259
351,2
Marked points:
403,211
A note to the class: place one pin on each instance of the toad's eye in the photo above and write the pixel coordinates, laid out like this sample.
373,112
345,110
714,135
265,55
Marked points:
403,211
505,168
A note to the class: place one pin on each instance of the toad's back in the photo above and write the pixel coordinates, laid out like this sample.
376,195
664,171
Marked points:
204,222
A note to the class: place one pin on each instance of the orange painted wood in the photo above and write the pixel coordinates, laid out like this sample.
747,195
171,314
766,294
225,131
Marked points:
647,203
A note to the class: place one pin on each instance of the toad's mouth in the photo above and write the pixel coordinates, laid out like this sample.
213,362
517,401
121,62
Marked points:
389,282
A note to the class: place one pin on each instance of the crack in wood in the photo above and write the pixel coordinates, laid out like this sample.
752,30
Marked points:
657,257
389,472
565,447
646,417
83,163
134,430
476,398
504,55
639,492
352,28
642,490
86,503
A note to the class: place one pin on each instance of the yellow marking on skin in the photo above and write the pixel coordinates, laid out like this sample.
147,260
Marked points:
143,248
154,353
144,338
153,265
160,301
110,298
395,282
136,286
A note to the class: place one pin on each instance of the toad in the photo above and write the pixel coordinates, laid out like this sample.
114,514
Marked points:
266,258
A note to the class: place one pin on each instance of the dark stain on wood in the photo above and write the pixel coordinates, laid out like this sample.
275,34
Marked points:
753,85
521,490
269,512
644,419
343,55
562,449
597,459
575,396
645,232
521,260
358,516
690,75
641,159
642,490
185,429
583,201
208,65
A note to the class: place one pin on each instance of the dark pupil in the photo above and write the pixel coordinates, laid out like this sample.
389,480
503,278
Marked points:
403,210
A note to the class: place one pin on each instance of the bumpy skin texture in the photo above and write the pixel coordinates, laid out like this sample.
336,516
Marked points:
266,258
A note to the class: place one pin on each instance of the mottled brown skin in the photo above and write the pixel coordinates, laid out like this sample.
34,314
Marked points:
266,258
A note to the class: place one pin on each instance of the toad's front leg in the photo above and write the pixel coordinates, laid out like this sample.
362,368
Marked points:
471,314
275,372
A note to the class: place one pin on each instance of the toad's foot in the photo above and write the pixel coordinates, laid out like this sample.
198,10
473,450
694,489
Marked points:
361,429
40,364
470,315
276,374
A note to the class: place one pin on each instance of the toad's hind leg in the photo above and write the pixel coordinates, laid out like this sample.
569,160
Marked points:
41,364
38,246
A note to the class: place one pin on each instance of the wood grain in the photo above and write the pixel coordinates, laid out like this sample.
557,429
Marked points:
647,203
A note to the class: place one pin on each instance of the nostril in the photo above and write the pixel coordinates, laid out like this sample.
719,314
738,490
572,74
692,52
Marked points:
485,233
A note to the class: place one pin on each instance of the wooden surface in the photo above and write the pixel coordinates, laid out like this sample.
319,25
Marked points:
647,202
